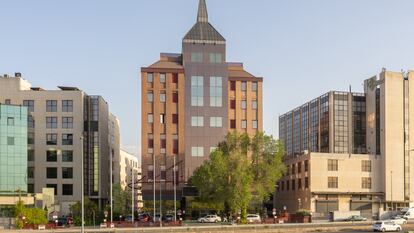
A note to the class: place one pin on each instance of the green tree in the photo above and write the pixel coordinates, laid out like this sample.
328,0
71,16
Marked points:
35,216
90,209
19,209
240,171
122,200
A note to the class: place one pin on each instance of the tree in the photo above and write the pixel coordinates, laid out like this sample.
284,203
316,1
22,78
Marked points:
241,170
122,200
33,216
90,211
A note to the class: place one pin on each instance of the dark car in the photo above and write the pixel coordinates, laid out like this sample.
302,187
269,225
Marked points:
144,217
168,218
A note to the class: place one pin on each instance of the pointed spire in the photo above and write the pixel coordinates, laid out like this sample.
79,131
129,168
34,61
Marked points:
202,12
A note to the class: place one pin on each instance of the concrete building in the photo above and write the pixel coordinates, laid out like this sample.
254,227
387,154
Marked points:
190,101
351,151
61,125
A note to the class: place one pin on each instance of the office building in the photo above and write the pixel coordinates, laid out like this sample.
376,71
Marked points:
190,101
350,151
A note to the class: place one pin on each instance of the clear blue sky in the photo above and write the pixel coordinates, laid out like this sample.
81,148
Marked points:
302,48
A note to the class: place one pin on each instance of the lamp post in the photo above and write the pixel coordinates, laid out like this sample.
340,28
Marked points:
110,185
132,196
175,193
82,189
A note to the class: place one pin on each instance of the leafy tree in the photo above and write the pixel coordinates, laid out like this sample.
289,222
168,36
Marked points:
240,171
34,216
122,200
90,212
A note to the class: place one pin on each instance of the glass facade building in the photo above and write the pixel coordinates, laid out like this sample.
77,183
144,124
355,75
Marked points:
13,149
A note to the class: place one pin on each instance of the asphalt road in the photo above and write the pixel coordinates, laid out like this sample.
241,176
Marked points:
406,229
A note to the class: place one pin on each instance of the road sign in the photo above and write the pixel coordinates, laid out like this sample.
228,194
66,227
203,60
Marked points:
179,213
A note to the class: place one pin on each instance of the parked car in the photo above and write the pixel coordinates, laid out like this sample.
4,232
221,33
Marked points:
398,220
386,226
253,218
157,217
209,218
144,217
356,218
128,218
168,218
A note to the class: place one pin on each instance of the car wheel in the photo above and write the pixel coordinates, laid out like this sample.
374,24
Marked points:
398,229
383,230
215,221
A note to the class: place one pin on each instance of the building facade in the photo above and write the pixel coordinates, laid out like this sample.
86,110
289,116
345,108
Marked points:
350,151
190,101
62,124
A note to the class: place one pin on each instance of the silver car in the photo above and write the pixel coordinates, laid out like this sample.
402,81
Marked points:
209,218
253,218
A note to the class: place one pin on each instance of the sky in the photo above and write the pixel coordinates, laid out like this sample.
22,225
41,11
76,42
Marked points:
302,48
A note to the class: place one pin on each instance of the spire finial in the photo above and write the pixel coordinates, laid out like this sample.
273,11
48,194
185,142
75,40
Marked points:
202,12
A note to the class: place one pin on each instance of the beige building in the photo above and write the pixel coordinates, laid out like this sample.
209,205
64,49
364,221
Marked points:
61,125
350,151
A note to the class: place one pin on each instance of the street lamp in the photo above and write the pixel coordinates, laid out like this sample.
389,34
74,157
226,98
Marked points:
82,189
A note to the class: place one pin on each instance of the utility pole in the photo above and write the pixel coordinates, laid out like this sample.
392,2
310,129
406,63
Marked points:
110,185
153,179
160,202
175,193
132,191
82,189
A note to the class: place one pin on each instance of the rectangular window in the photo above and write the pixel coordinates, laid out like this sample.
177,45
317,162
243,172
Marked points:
30,138
162,97
51,122
244,124
306,165
366,182
51,105
10,121
293,169
67,189
51,139
29,104
54,186
254,104
197,121
30,188
175,144
232,85
287,185
175,78
283,186
163,141
197,151
30,172
150,118
332,165
150,173
175,118
175,97
216,91
162,78
67,139
216,122
7,102
162,119
306,182
366,165
243,104
67,156
51,173
30,122
196,57
232,104
293,184
332,182
150,77
10,141
254,124
299,167
299,184
30,155
67,122
254,86
67,173
51,156
197,91
67,105
150,141
150,97
215,58
163,173
232,124
244,86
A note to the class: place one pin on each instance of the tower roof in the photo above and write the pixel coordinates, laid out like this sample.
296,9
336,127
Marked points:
203,31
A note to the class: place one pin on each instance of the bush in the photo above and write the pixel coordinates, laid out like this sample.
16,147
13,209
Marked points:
304,212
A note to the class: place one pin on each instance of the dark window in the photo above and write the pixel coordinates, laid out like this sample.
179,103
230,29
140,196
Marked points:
67,122
175,97
233,104
67,172
366,165
30,188
332,182
366,182
67,189
299,184
293,184
67,139
306,165
7,101
29,104
51,156
306,182
51,105
150,173
150,142
175,78
54,186
51,122
232,124
30,155
163,141
232,85
30,122
287,185
299,167
163,174
324,119
51,173
175,146
332,165
67,156
67,105
30,138
10,121
30,172
51,139
175,118
293,169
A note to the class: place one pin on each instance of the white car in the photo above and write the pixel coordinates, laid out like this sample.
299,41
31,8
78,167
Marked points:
398,220
209,218
253,218
386,226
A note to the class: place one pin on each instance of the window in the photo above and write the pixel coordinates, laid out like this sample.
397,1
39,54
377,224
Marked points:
244,124
232,85
29,104
299,167
51,122
150,97
254,104
163,173
366,182
162,118
67,172
10,141
67,139
283,186
30,138
51,173
150,173
150,77
51,139
67,105
197,121
175,97
150,141
243,86
162,97
175,144
10,121
51,105
162,78
299,184
67,189
293,169
30,122
216,91
254,86
332,182
197,91
54,186
30,155
287,185
150,118
175,118
293,184
67,156
306,165
232,104
51,156
243,104
332,165
216,122
215,58
163,141
30,188
254,124
30,172
7,101
366,165
67,122
196,57
232,124
306,182
197,151
175,78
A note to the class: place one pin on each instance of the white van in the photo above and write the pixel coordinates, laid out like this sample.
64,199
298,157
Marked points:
407,213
